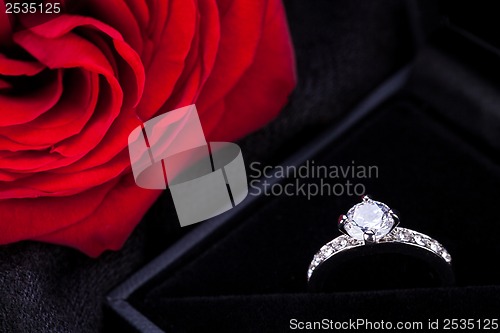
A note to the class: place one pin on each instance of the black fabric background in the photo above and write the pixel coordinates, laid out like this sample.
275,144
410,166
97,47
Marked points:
344,50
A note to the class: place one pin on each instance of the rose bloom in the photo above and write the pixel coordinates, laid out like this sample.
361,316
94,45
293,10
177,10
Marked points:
74,85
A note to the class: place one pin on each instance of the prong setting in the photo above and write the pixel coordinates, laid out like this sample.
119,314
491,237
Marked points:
343,219
395,218
369,237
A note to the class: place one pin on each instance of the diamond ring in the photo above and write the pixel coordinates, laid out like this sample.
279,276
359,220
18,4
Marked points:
371,227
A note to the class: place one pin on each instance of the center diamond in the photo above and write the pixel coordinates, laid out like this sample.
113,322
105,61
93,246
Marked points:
369,217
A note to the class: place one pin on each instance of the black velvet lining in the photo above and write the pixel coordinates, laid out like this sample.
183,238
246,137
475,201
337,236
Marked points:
441,185
275,312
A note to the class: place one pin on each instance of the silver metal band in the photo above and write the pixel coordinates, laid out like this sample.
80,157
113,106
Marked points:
399,235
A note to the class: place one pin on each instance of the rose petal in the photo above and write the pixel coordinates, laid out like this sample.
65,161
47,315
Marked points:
62,25
4,85
117,14
266,84
200,60
50,184
64,120
22,109
29,218
168,61
111,222
237,47
5,25
113,144
141,13
13,67
70,51
6,176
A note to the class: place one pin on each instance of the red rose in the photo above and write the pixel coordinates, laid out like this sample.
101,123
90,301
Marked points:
74,85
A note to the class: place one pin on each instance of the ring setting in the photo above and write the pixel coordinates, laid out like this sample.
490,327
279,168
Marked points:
371,223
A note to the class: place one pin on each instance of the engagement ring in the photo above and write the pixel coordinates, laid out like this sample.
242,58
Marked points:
371,227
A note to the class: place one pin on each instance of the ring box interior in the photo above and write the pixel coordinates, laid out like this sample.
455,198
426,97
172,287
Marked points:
435,140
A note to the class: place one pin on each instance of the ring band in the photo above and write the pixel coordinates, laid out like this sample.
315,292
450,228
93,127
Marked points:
372,226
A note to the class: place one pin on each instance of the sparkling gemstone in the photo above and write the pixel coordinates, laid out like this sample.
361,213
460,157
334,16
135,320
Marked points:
369,216
353,241
404,236
446,256
419,240
435,246
337,245
327,251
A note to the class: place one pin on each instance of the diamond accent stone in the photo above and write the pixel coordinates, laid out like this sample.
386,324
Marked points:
446,256
327,251
435,246
369,216
354,242
403,235
419,240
